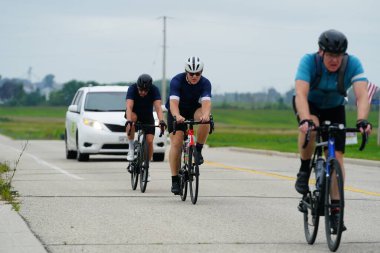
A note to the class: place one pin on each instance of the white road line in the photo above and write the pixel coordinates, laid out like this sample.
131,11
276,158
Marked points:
40,161
43,162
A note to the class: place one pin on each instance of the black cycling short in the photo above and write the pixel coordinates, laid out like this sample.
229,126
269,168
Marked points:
186,113
147,120
334,115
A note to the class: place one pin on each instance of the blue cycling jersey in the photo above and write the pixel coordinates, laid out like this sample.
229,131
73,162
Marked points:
327,95
143,106
189,95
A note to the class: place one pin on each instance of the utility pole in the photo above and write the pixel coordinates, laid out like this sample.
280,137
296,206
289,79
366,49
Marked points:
163,87
30,74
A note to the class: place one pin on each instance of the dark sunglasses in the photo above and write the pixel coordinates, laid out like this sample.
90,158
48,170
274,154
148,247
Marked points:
196,74
143,90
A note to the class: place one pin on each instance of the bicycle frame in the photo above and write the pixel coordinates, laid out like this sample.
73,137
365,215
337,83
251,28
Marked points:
330,144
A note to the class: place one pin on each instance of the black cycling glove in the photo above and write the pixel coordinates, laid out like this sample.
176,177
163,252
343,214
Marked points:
128,123
163,125
362,123
311,123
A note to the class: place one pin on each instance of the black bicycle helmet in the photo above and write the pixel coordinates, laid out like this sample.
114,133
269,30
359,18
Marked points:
144,82
333,41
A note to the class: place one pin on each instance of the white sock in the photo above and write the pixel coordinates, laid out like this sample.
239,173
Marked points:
131,146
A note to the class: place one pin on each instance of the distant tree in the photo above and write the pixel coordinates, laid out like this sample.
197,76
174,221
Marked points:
288,98
11,90
33,98
273,95
48,80
66,94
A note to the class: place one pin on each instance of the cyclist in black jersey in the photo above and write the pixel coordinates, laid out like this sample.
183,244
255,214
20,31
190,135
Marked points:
141,98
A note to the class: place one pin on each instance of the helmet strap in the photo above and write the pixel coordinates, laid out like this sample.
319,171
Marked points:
187,80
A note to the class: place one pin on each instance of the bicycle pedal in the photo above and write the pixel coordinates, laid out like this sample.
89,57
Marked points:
301,207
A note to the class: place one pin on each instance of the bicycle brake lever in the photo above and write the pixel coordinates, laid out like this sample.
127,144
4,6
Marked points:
130,128
364,141
307,138
212,125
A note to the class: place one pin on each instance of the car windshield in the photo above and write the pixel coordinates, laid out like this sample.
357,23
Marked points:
105,101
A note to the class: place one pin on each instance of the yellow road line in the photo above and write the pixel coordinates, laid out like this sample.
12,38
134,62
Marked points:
352,189
224,166
275,175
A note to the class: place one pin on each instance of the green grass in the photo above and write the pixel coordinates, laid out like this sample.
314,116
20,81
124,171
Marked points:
32,122
258,129
6,192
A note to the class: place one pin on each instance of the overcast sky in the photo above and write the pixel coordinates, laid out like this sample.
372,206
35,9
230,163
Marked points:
247,46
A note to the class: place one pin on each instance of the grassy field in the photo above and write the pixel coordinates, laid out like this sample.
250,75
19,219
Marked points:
32,122
259,129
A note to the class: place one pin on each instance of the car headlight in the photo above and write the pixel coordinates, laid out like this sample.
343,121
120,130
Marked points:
93,123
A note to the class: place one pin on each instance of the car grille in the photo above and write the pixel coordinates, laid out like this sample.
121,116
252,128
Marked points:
115,128
115,146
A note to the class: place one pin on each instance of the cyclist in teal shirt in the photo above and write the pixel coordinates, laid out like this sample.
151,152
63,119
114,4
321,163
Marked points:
315,103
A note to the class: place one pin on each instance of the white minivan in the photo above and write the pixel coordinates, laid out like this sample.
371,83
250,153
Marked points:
95,124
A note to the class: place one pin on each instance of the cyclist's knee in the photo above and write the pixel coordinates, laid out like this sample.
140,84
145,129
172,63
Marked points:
176,141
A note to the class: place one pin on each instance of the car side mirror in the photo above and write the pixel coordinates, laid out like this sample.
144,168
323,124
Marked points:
73,108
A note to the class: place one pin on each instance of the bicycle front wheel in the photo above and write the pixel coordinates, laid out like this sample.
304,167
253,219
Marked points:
144,172
183,179
334,210
193,176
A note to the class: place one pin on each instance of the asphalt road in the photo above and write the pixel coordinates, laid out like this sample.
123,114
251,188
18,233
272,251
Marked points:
247,203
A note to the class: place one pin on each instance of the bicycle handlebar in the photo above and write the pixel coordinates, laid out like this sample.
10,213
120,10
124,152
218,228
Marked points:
193,122
139,124
335,127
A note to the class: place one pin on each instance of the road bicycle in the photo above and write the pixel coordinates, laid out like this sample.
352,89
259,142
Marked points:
189,170
327,173
139,166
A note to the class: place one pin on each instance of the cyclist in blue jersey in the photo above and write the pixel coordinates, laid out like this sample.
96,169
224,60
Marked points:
315,104
189,98
141,98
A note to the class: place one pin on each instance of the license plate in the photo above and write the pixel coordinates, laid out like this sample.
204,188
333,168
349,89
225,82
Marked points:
123,139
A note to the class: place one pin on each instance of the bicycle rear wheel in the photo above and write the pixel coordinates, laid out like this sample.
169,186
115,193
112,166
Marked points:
134,175
144,169
310,217
193,176
334,227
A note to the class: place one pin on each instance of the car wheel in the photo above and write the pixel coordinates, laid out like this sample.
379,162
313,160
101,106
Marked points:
70,154
158,157
80,156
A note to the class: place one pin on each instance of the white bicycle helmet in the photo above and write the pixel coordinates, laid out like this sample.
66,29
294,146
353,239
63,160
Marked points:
193,64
